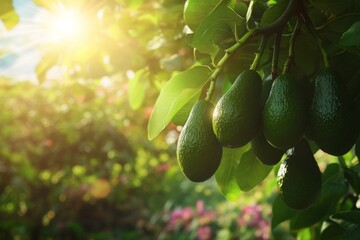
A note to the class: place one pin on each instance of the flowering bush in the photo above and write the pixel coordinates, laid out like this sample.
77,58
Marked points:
227,221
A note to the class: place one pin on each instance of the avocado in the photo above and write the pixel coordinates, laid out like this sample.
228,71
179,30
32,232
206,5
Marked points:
299,177
333,122
264,151
237,114
284,114
198,150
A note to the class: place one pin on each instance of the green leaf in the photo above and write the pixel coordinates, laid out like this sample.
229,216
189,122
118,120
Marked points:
332,231
182,115
217,27
250,171
137,88
304,234
196,11
281,212
175,94
352,36
348,220
250,22
353,177
225,175
8,15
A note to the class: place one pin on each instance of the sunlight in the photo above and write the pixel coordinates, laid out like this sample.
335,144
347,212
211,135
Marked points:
67,25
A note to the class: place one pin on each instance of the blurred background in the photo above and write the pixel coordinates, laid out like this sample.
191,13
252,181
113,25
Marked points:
78,80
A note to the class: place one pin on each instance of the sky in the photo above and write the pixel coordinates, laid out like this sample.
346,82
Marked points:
22,54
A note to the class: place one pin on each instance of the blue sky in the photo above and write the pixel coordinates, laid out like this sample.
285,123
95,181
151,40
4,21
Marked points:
21,59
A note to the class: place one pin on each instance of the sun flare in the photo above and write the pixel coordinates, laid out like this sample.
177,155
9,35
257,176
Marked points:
67,25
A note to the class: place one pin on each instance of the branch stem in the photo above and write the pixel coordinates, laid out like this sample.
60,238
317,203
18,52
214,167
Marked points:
264,30
223,60
290,58
275,56
259,53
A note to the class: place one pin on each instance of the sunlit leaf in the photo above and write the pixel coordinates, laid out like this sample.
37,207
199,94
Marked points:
352,36
137,88
304,234
175,94
249,19
8,15
197,10
217,27
250,171
225,175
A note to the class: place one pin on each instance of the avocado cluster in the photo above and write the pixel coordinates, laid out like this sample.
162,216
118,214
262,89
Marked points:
276,119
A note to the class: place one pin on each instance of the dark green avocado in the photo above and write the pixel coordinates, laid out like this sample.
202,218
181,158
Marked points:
237,115
333,122
284,114
299,177
198,151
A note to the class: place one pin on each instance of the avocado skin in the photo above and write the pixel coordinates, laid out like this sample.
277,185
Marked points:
284,114
264,151
332,116
198,151
299,177
237,114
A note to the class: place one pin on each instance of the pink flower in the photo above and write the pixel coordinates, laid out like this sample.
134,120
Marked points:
200,207
175,219
207,217
187,214
263,231
204,233
176,214
250,216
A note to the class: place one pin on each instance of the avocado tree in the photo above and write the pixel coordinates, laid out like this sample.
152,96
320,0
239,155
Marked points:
284,79
259,87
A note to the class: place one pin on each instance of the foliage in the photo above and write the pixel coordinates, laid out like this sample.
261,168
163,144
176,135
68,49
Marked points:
78,145
68,164
297,37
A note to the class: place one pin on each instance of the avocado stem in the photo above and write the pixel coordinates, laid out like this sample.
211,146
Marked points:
342,162
264,30
290,58
259,52
223,60
315,34
275,56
